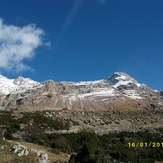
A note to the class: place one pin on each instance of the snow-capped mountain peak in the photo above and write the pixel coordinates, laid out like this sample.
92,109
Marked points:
122,79
20,84
24,81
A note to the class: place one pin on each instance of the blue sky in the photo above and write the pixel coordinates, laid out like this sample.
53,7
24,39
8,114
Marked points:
83,39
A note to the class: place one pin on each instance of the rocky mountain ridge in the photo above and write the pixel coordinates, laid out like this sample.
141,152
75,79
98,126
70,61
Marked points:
120,91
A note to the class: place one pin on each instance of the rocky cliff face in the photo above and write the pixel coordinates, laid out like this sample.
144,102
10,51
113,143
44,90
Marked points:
118,92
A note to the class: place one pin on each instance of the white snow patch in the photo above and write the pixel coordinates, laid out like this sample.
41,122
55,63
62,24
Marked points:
86,82
124,79
101,95
132,94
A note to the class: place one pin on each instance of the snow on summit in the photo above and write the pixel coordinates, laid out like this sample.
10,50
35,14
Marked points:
119,84
120,78
8,86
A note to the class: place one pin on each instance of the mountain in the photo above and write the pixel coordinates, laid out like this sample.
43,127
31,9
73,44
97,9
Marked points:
75,118
118,92
115,104
20,84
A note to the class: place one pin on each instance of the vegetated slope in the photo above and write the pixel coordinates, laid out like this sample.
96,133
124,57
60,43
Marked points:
8,156
84,146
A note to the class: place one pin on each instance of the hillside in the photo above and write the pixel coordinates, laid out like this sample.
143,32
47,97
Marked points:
91,121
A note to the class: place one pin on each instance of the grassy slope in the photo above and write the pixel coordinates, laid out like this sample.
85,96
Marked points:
7,156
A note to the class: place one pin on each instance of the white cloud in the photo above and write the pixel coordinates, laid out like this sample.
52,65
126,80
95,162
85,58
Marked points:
18,44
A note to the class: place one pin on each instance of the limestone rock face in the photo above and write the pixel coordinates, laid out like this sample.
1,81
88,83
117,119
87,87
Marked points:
120,91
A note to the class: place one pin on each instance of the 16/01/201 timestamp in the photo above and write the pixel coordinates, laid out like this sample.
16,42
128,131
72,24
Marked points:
145,144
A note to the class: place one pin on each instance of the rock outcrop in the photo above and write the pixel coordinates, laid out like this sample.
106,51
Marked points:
22,150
